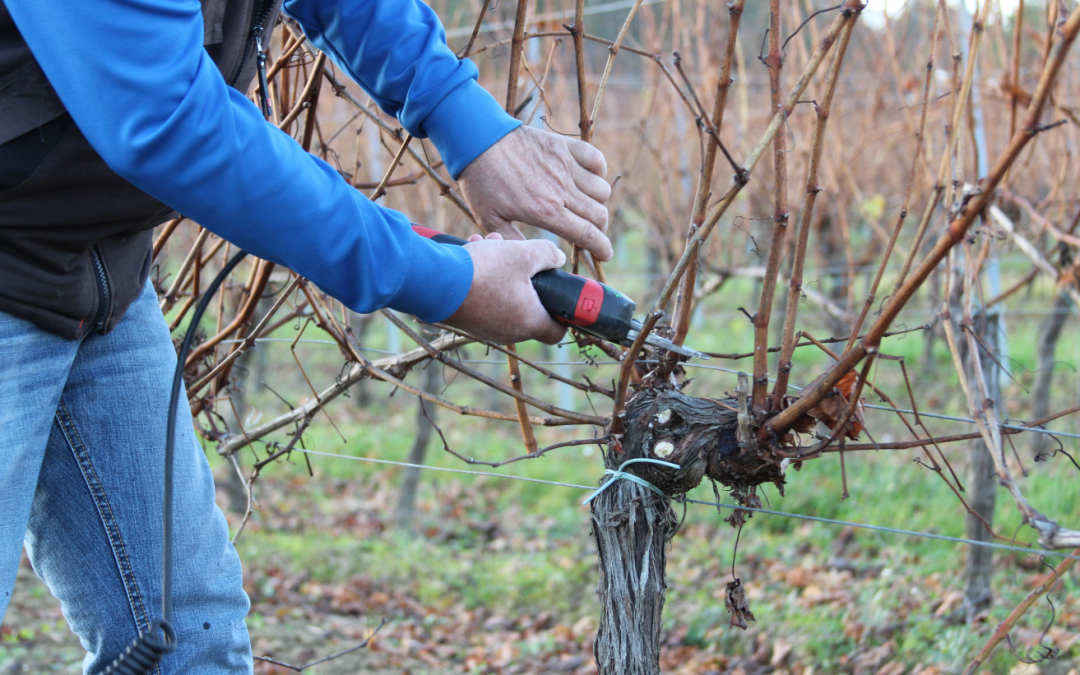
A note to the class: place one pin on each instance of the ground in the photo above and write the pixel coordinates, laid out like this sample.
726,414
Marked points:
492,583
499,576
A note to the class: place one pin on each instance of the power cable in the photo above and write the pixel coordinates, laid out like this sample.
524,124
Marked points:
147,650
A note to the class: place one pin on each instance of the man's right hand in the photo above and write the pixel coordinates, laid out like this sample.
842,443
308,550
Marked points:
502,305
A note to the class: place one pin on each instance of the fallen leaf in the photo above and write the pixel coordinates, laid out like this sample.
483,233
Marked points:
813,592
952,601
799,577
584,627
781,650
869,661
892,668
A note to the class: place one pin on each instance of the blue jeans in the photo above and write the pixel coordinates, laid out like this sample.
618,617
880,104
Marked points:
82,437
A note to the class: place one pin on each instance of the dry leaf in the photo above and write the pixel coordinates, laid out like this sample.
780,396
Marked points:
833,407
804,425
781,650
868,662
1023,96
735,601
799,577
892,668
950,603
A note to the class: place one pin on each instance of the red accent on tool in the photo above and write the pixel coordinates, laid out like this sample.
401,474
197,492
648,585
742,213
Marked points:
425,231
589,303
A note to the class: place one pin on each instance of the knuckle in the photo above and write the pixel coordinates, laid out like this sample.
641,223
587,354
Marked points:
539,253
586,232
602,218
548,211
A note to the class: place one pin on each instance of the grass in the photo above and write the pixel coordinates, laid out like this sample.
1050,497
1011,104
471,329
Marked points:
453,564
511,547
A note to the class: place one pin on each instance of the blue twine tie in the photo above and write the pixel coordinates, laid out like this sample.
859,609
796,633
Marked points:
616,474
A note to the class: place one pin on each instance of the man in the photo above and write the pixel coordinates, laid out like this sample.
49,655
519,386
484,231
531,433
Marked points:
113,116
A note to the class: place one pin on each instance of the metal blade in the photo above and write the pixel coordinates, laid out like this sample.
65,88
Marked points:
663,343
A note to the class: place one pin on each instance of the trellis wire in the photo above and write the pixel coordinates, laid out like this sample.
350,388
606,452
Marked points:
771,512
491,27
950,418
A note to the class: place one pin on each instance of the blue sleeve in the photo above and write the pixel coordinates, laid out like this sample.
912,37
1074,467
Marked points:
396,50
135,78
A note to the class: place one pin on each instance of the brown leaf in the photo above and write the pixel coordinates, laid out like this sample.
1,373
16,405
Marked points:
833,406
804,424
798,577
781,650
739,517
868,662
892,668
735,601
1023,96
1070,276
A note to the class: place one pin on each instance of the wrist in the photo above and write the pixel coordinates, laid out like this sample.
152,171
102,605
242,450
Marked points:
437,282
465,124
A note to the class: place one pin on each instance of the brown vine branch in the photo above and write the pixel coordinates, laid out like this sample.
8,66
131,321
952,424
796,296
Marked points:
1003,629
851,9
806,214
684,300
1051,535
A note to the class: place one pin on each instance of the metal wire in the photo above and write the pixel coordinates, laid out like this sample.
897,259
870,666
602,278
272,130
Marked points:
771,512
971,421
595,9
704,366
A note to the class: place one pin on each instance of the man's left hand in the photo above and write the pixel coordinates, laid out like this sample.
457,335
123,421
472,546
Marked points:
542,179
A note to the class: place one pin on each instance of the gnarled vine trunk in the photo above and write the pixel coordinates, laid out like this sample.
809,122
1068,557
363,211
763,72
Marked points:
633,524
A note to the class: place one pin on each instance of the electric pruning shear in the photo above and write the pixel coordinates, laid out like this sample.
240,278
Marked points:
590,306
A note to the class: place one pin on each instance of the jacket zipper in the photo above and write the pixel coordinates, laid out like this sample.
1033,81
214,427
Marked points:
104,292
264,88
262,12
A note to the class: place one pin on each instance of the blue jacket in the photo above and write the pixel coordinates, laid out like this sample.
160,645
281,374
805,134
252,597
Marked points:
135,78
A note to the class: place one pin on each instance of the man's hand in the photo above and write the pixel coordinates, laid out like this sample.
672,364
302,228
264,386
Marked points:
542,179
501,305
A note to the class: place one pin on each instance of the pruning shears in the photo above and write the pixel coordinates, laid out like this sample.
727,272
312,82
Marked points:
590,306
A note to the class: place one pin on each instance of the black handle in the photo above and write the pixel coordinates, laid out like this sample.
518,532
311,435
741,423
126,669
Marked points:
574,300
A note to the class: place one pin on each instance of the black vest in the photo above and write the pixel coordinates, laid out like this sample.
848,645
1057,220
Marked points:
75,237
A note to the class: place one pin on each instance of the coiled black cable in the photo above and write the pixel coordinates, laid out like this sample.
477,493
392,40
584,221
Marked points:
146,652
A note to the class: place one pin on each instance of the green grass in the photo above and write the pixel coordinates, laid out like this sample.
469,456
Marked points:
547,561
458,568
